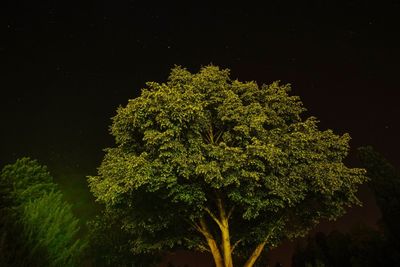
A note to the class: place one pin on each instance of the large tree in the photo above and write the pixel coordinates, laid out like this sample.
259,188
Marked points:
209,163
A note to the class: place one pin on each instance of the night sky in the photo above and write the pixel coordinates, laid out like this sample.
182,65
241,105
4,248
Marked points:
66,66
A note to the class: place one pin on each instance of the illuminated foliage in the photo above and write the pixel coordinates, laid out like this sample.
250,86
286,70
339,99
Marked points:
205,162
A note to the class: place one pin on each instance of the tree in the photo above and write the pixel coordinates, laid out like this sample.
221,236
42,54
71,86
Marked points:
209,163
385,182
49,225
38,226
23,181
109,245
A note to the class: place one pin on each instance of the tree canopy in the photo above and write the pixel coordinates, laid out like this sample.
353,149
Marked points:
206,162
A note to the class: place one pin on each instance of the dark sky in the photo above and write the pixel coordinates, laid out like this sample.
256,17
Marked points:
67,65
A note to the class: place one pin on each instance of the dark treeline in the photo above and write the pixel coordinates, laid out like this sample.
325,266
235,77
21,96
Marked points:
362,246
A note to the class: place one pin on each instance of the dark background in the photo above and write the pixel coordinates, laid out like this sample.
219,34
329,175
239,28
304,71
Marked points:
66,66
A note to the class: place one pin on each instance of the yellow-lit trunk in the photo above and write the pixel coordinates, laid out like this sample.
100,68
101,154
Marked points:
254,256
212,244
215,252
226,247
223,223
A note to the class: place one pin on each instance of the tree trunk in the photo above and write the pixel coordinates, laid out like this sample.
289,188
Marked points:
226,247
215,253
211,243
254,256
225,236
223,224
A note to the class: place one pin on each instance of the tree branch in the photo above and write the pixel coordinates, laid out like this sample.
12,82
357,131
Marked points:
201,246
212,215
234,245
197,227
254,256
204,229
219,135
212,244
221,209
211,134
260,247
230,212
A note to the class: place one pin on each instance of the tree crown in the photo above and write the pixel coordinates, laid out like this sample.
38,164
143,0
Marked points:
201,144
